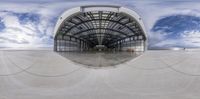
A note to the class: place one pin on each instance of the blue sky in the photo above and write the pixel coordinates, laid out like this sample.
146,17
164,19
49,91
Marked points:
30,23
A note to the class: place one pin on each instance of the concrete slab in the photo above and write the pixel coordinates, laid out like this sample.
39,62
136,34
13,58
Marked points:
48,75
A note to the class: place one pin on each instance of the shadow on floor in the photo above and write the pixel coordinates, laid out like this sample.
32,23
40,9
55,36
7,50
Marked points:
100,59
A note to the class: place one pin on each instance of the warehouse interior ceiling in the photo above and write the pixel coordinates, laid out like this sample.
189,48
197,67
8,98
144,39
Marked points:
101,31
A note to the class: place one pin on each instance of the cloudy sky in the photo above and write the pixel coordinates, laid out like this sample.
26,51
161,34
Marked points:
169,23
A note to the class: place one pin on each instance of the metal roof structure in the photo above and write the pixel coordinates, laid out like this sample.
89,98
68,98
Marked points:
99,25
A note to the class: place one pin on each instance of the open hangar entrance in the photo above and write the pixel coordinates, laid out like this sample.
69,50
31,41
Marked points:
99,28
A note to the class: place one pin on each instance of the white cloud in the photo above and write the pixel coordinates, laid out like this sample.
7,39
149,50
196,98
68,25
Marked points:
36,35
23,35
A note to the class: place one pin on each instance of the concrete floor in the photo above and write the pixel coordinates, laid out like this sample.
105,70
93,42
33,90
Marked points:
49,75
100,59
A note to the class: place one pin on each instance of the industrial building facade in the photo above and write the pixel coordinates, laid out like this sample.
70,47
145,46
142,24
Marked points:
100,27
